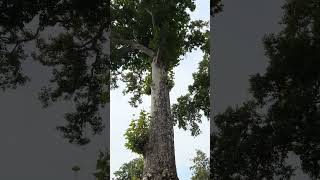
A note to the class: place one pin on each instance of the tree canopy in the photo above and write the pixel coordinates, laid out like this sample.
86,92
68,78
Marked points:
255,140
200,166
292,81
142,28
13,33
243,147
76,52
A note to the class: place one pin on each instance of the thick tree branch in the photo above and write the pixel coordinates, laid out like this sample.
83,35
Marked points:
133,44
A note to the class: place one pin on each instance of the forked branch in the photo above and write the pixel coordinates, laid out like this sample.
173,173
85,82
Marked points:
132,43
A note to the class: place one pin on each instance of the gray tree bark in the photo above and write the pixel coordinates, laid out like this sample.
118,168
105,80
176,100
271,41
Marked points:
159,155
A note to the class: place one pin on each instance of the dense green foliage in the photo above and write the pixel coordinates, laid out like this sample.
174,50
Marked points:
243,147
76,53
163,28
200,167
191,107
292,82
13,33
137,134
130,171
255,139
187,112
80,64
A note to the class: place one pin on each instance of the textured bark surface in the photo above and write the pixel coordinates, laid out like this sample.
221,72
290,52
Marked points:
159,153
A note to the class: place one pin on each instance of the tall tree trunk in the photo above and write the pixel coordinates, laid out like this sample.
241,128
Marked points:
159,152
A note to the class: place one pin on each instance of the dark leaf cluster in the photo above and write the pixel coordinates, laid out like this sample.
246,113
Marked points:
103,166
76,52
288,93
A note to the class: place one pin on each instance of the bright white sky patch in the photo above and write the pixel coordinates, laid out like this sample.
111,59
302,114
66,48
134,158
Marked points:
122,113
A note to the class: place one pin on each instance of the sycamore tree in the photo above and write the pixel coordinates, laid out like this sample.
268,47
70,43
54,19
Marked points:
187,113
149,39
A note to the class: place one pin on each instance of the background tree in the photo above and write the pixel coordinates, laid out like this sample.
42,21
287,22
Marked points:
243,147
284,114
149,39
77,53
79,60
15,15
200,166
291,83
132,170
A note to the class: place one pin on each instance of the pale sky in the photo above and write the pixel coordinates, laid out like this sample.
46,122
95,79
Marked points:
185,145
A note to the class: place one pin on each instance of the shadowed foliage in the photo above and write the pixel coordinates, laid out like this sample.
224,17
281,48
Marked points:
243,147
76,53
216,6
254,140
103,166
13,33
291,83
